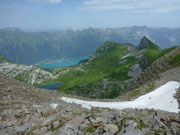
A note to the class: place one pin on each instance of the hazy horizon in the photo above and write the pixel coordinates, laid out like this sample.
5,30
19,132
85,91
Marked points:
58,14
82,28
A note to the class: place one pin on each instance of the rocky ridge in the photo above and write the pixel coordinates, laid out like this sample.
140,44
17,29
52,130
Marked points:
159,66
30,74
144,43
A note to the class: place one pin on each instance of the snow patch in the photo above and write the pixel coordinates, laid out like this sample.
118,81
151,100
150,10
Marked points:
173,40
161,98
54,105
37,106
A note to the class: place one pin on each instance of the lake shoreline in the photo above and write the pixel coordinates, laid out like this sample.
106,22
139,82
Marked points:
51,86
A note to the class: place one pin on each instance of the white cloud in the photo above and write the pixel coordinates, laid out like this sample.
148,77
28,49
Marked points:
49,1
137,5
54,1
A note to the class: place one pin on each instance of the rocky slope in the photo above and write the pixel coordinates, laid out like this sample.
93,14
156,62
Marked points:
28,74
25,109
159,66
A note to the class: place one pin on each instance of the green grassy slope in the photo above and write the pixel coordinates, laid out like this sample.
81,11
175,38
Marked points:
104,65
107,89
108,63
176,60
153,52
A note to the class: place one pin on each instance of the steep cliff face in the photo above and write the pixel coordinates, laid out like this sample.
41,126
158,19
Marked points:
144,43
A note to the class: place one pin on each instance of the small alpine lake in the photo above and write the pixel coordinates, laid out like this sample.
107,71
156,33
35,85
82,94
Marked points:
51,86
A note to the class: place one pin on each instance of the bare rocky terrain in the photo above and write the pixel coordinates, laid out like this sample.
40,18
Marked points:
25,109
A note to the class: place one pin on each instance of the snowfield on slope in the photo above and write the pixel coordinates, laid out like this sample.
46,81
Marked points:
162,98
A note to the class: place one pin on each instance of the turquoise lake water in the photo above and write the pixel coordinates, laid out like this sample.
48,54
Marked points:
58,64
52,86
65,63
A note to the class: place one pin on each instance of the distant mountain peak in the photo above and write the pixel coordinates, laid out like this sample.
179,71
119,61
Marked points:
147,44
144,43
12,29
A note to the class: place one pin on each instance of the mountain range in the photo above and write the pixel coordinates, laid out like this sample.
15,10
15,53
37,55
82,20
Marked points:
143,81
27,47
114,69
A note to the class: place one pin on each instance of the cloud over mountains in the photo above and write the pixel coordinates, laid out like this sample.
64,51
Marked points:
137,5
52,1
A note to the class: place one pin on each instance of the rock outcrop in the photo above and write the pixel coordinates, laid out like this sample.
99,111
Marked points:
144,43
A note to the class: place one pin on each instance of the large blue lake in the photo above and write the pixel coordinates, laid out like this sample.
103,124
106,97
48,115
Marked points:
64,63
52,86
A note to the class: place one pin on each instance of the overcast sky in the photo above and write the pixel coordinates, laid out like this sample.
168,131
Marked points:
45,14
